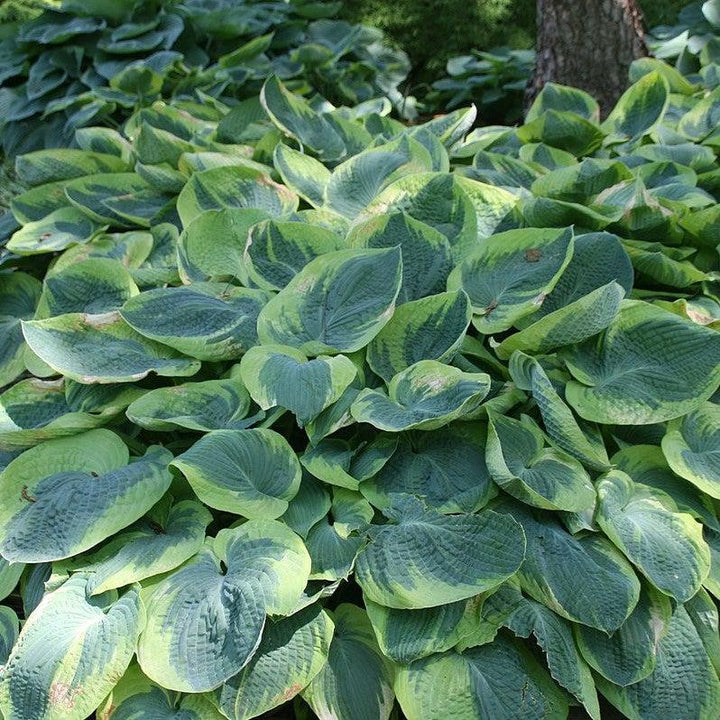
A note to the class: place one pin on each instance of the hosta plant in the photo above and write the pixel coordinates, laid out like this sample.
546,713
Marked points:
82,64
308,409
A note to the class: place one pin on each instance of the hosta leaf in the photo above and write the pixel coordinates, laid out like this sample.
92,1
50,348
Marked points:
94,286
253,473
649,366
423,559
35,410
598,260
9,576
212,245
19,296
581,578
647,465
277,251
567,99
342,464
291,653
581,182
543,477
692,448
38,202
501,680
355,183
425,251
45,166
427,395
666,546
207,321
120,199
333,555
408,635
509,274
704,616
560,423
431,328
568,325
356,681
137,697
337,302
70,653
233,187
640,108
446,469
302,174
683,684
350,511
630,653
277,375
232,584
207,405
145,549
56,231
131,248
309,506
296,118
9,630
565,130
67,495
437,200
102,348
554,636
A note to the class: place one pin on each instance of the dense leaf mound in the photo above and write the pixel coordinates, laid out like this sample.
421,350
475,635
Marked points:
312,405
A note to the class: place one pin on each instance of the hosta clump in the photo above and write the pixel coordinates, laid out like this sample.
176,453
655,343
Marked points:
82,64
311,408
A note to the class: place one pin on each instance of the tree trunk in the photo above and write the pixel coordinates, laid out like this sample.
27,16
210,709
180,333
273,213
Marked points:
588,44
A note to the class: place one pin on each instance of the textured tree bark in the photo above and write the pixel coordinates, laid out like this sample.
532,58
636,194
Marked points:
588,44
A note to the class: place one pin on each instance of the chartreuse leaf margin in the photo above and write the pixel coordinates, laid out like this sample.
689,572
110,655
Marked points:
307,411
